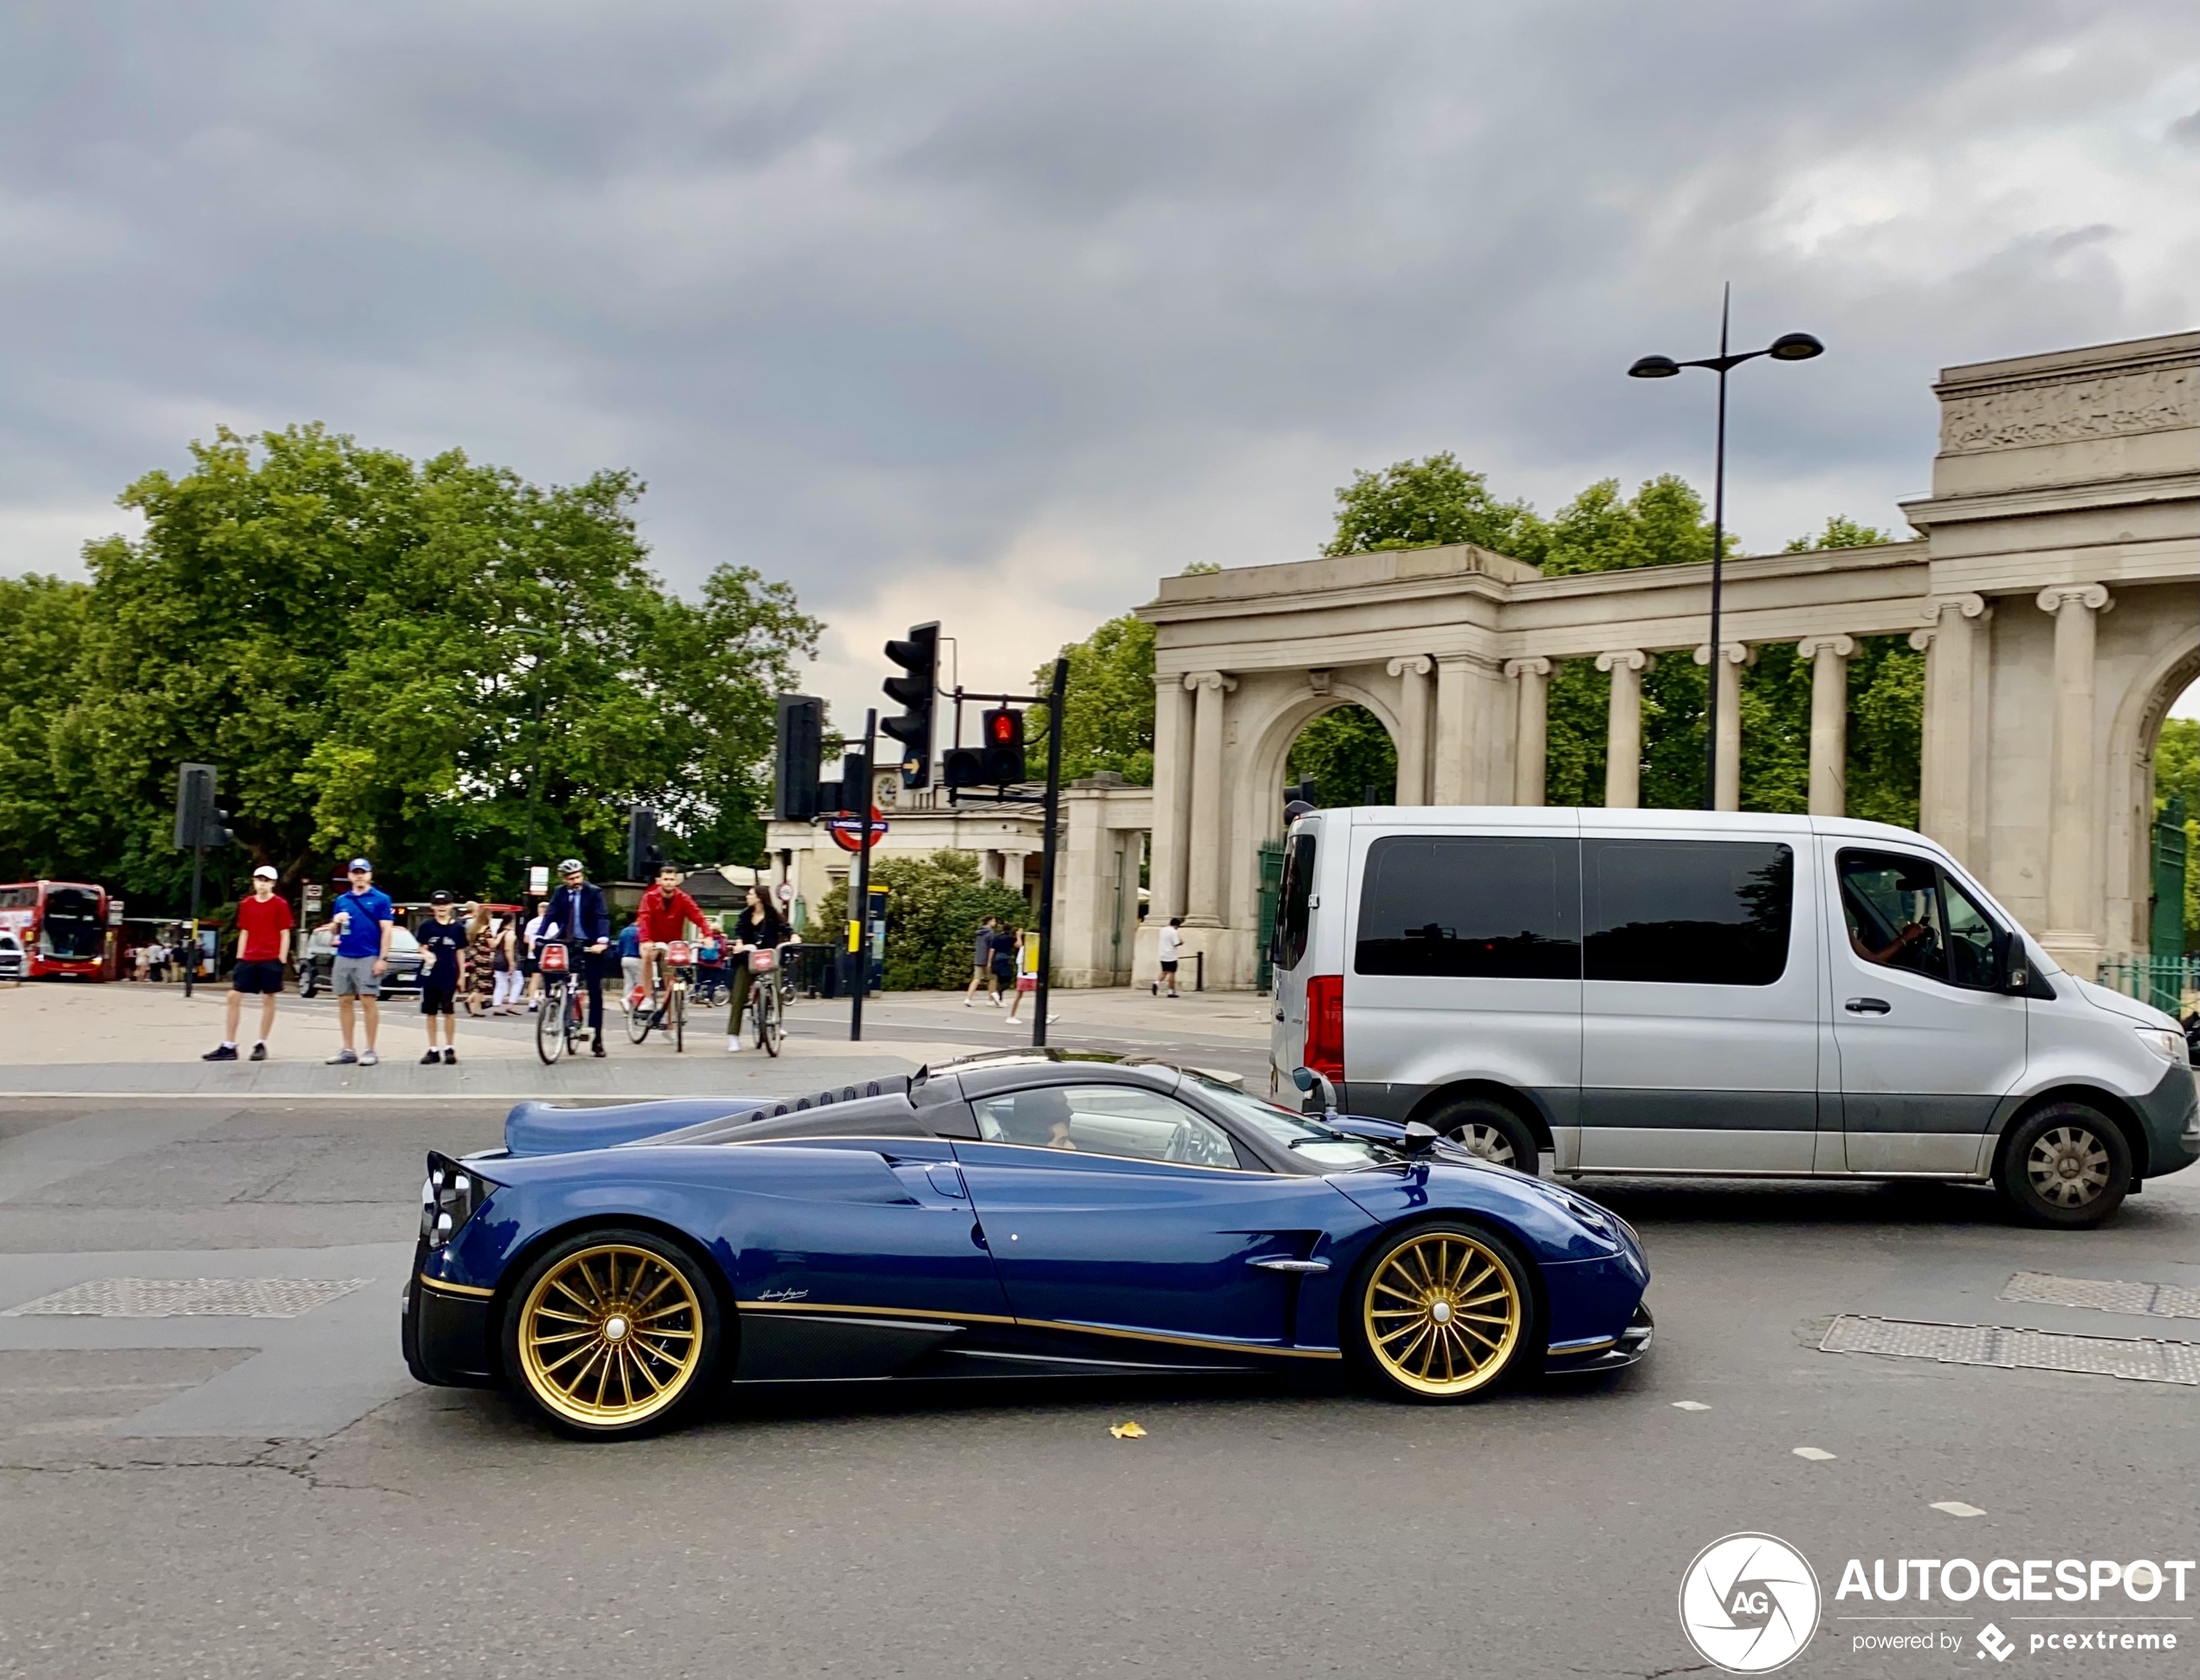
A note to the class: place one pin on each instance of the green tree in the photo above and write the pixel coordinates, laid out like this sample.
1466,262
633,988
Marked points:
438,664
2177,771
1346,753
1108,707
42,626
1840,532
1418,504
934,904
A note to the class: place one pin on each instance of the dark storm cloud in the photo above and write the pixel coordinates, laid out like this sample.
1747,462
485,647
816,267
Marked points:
881,292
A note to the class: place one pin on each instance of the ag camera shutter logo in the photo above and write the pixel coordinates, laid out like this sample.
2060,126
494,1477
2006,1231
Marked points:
1748,1602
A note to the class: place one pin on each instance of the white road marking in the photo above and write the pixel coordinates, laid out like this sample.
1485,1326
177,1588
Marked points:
1816,1455
1690,1405
1957,1507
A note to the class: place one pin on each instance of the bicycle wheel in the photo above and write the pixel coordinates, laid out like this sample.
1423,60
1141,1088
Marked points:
640,1019
677,1004
576,1016
769,1031
550,1023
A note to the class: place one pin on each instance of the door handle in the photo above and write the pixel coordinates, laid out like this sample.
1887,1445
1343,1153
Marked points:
947,1179
1865,1006
1277,1263
1279,1015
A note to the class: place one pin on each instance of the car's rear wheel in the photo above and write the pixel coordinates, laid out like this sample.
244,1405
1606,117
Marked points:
1488,1128
1442,1311
2065,1166
609,1332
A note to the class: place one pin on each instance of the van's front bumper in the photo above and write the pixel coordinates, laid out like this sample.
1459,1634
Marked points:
2170,1114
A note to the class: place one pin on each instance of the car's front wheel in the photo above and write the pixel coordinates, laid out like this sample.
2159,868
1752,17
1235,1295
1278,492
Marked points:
609,1332
2066,1165
1442,1311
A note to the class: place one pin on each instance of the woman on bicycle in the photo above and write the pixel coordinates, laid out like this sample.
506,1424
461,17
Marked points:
759,928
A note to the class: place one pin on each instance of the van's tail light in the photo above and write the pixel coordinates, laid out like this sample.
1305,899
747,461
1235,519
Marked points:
1325,1025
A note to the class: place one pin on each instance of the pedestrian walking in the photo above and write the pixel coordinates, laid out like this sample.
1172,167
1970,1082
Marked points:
480,991
264,925
363,921
577,914
442,949
1022,951
981,963
630,962
526,950
1171,953
759,927
1001,960
504,965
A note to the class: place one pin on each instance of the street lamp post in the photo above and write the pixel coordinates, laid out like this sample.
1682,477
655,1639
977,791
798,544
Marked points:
1788,347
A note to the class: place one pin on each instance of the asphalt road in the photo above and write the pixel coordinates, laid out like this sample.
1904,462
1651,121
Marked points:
226,1496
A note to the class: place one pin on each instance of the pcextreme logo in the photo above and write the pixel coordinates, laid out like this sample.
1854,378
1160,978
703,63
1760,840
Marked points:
1748,1602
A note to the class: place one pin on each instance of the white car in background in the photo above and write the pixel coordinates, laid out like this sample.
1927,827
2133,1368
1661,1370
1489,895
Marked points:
14,964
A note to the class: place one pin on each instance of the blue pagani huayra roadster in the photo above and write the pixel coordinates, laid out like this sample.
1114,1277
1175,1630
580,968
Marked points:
1020,1214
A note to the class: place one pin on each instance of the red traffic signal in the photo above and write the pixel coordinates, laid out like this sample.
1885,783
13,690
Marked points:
1002,729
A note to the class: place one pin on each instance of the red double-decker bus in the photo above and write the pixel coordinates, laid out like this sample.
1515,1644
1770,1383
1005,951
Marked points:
62,925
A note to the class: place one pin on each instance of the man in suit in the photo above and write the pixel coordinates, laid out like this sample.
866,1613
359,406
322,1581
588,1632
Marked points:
577,914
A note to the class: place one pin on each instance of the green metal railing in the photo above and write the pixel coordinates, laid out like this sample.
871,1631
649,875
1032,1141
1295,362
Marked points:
2170,983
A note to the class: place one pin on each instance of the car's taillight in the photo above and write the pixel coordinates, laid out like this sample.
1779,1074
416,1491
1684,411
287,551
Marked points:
1325,1025
449,1198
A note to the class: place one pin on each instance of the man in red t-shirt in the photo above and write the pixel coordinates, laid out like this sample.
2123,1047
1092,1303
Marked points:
264,925
665,913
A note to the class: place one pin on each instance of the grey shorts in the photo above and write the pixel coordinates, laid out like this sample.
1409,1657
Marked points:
354,977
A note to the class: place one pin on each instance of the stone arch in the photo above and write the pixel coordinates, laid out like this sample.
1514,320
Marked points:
2134,731
1264,772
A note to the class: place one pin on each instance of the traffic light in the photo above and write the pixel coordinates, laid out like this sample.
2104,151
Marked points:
1298,799
642,853
794,769
199,822
915,692
1002,728
963,766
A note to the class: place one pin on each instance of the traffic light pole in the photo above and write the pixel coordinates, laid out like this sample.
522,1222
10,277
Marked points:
190,962
859,892
1052,807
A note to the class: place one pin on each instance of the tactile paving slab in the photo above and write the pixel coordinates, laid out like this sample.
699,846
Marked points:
191,1297
2157,1299
2135,1359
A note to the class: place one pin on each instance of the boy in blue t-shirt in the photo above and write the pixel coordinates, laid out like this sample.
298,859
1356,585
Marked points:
363,920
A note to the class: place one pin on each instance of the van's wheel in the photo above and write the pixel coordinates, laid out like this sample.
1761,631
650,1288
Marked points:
608,1332
1490,1130
2065,1166
1442,1311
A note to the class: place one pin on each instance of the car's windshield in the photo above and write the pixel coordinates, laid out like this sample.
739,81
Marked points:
1307,1139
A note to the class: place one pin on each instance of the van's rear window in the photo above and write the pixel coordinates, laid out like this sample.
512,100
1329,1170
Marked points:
1687,912
1501,908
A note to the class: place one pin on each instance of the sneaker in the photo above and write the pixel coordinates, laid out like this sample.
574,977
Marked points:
432,1058
598,1049
343,1058
450,1056
732,1046
220,1053
368,1058
634,999
1157,988
259,1053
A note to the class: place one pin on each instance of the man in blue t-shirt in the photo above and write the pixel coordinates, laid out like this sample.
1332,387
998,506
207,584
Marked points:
362,921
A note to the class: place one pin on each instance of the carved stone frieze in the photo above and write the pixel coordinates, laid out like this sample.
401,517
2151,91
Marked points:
2036,411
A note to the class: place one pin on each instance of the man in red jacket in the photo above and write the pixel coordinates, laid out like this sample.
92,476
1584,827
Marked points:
664,916
264,925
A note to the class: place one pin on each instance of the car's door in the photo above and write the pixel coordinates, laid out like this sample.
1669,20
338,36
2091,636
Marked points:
1701,1004
1928,1041
1118,1209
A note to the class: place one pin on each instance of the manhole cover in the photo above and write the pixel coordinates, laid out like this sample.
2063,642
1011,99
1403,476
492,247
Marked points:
191,1297
2138,1360
2159,1299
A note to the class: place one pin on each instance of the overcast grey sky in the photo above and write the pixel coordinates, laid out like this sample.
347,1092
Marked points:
993,313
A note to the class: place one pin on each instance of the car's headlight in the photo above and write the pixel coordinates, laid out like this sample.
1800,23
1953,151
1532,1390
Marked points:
2169,1045
447,1198
1586,1214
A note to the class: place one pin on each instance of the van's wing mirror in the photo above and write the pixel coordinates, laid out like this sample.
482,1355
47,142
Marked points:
1307,1080
2017,970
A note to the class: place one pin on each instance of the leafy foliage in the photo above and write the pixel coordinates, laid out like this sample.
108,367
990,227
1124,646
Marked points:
933,905
1840,532
1108,708
2177,771
1417,504
1347,753
438,664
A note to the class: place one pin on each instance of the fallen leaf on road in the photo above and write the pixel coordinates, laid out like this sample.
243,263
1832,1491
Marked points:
1127,1432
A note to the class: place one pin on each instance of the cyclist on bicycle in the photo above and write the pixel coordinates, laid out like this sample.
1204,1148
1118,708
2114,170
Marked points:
665,914
759,928
577,914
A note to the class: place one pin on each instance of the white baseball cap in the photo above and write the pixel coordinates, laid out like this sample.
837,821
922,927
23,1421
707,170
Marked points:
268,870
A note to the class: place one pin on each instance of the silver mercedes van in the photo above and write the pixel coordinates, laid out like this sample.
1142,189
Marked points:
1708,993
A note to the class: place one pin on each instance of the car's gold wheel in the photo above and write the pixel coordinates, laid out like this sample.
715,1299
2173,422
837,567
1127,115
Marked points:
1443,1313
611,1335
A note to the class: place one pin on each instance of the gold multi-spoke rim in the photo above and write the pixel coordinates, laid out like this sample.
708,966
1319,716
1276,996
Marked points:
1443,1313
611,1336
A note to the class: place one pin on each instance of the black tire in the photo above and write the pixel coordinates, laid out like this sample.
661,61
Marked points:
1462,1352
676,1003
1490,1129
2066,1165
627,1364
640,1020
549,1023
307,987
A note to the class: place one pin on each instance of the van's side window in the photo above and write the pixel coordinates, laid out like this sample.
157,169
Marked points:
1501,908
1291,913
1687,912
1908,913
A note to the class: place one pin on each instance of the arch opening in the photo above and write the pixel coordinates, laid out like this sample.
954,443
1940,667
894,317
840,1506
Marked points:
1349,755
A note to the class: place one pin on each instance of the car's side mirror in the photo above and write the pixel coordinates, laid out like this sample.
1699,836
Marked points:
1419,1138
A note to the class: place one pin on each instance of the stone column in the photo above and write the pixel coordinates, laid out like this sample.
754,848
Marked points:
1950,643
1828,656
2074,931
1204,843
1623,726
1412,673
1726,758
1453,676
1172,797
1532,728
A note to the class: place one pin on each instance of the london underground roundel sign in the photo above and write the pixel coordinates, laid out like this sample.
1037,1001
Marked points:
848,830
